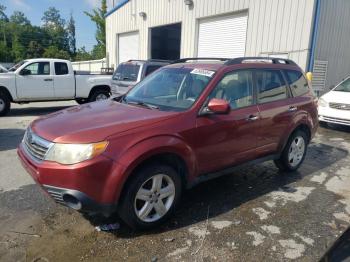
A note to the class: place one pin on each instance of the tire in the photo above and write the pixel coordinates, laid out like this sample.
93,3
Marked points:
156,210
81,101
323,124
99,94
289,160
5,104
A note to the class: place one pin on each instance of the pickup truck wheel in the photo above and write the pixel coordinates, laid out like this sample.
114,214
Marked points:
150,197
99,95
81,101
294,153
5,104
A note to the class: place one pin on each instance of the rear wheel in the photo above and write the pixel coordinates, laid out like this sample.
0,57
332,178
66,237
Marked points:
150,197
294,152
99,95
5,104
81,101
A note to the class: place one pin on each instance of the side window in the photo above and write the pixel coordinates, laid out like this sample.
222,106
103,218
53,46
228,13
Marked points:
151,68
236,88
61,68
40,68
297,83
271,86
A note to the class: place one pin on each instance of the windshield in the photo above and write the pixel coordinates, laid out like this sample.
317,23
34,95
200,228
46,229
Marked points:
344,86
16,66
127,72
171,89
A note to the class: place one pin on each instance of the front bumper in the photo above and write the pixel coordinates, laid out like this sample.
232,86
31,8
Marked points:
334,116
84,186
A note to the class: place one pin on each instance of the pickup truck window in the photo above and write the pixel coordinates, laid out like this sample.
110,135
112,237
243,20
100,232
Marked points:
61,68
39,68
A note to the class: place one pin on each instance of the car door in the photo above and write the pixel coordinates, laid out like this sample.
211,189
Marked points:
35,81
64,83
224,140
276,107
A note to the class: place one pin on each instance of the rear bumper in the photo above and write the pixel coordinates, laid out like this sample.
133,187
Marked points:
85,186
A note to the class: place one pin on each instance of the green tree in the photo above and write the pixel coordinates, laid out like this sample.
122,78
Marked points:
71,36
3,16
34,50
19,18
98,17
83,55
54,25
54,52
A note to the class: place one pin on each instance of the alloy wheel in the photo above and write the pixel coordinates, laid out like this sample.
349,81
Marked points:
296,151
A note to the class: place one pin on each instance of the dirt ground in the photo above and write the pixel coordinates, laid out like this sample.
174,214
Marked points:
255,214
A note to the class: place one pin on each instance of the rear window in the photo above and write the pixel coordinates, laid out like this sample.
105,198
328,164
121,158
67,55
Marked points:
127,72
297,83
61,68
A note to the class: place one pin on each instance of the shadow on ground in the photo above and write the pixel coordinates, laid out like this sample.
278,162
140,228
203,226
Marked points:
10,138
34,111
224,194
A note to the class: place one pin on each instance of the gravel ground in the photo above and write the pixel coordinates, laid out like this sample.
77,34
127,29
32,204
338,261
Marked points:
255,214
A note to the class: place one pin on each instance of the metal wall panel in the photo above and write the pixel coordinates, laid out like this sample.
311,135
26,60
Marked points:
333,39
274,26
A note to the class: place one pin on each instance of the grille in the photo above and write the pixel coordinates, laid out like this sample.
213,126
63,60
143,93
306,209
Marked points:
339,106
35,145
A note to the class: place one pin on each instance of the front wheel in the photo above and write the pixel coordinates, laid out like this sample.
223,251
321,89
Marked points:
150,197
5,104
294,152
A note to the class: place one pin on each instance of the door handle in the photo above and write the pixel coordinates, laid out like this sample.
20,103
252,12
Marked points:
252,118
48,79
292,109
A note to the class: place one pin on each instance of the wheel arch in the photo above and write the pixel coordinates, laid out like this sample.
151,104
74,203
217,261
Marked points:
303,126
7,92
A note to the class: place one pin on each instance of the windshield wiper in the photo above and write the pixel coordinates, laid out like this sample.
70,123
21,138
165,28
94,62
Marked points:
139,103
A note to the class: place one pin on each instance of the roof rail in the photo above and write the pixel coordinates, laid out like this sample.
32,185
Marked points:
184,60
274,60
160,60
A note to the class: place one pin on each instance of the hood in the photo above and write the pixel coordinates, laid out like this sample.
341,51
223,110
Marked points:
95,122
6,75
337,97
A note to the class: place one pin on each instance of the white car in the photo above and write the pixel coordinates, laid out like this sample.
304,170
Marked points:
334,106
35,80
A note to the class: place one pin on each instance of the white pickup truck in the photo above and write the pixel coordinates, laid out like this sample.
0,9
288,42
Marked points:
35,80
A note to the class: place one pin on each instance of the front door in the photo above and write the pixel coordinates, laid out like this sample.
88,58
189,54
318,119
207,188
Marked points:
229,139
37,82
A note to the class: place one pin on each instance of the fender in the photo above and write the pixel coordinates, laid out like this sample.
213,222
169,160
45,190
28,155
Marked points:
143,150
303,118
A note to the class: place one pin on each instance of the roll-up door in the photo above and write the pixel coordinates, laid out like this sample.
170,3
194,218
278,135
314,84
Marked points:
128,46
222,36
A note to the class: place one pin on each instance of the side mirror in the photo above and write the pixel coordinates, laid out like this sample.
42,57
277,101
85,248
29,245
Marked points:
25,72
218,106
309,76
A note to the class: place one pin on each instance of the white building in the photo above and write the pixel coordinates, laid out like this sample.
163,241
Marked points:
314,33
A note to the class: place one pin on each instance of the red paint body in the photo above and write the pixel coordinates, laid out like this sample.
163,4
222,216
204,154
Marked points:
206,143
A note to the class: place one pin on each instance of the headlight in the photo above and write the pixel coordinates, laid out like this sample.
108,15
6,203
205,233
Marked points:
69,154
322,102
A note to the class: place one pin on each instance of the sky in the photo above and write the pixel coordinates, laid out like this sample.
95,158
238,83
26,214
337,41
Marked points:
34,9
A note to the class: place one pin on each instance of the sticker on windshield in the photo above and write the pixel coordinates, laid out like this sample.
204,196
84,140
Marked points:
203,72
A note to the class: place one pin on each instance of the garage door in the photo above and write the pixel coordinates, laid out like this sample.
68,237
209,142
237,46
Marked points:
223,36
128,46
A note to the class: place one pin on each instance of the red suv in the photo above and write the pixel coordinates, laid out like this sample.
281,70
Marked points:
187,122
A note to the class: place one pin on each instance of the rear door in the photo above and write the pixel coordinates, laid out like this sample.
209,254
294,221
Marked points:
229,139
64,83
276,107
38,84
